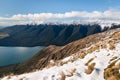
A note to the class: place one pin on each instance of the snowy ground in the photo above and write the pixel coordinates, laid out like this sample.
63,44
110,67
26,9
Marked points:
74,70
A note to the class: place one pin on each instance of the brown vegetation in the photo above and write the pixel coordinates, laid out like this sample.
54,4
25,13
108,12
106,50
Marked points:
89,61
90,68
116,35
103,46
71,72
112,45
112,71
62,76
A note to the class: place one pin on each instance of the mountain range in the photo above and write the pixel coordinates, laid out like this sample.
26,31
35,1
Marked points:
49,34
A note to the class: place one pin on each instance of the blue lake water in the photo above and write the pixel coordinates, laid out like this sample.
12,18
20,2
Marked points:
12,55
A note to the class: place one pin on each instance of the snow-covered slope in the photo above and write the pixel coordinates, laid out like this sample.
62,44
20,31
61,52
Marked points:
92,63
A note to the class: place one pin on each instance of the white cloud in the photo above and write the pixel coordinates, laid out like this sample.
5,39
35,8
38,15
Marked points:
44,17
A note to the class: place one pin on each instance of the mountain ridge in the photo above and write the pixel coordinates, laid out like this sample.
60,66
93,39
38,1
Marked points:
44,35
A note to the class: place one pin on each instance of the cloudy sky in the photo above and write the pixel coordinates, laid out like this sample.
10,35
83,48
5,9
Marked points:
40,11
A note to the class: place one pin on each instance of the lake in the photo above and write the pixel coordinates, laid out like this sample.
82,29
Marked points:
12,55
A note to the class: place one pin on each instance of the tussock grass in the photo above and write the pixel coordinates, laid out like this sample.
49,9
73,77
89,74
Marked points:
90,68
71,72
112,45
89,61
63,77
112,71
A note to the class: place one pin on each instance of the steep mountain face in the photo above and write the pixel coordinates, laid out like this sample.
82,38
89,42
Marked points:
48,34
96,57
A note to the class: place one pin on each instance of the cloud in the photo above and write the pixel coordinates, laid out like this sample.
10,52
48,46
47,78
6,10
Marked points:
47,17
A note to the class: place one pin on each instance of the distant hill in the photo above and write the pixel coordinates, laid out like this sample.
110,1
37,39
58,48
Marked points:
48,34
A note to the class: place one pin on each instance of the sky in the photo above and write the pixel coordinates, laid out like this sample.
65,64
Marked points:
18,11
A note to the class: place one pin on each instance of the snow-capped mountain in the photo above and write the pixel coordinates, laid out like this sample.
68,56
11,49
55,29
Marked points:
103,23
96,57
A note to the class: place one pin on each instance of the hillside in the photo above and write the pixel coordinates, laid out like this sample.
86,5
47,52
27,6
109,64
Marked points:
49,34
96,57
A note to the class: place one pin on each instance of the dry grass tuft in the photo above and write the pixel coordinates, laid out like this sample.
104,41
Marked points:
21,79
9,77
62,76
115,57
112,64
112,71
113,78
71,72
116,35
103,46
90,68
89,61
112,45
